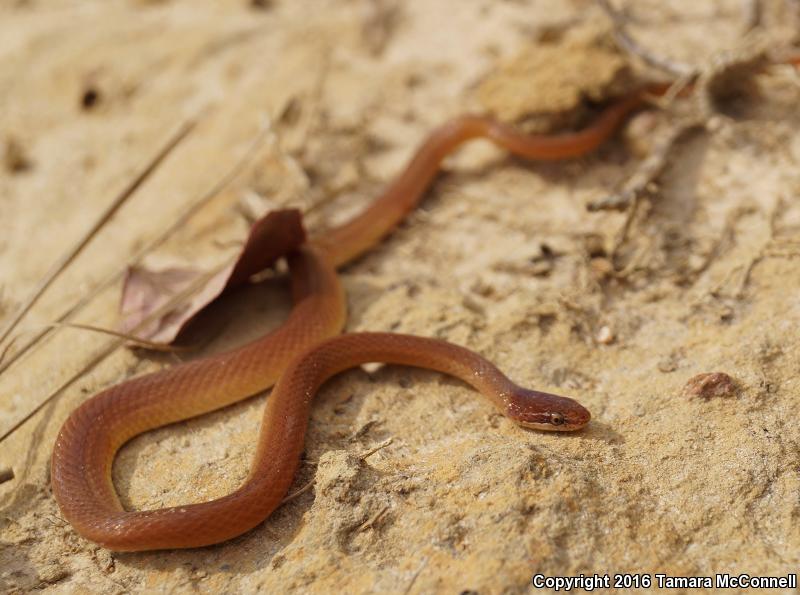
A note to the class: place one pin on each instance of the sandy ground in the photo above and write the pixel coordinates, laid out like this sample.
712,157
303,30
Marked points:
503,257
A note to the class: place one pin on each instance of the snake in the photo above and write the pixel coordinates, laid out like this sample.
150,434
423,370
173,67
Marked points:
296,359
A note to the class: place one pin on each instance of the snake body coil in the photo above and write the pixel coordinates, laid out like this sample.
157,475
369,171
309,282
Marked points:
300,355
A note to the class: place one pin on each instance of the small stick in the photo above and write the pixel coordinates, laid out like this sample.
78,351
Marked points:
152,345
184,216
751,18
302,490
109,212
376,448
112,346
764,252
416,574
751,10
373,519
643,180
630,45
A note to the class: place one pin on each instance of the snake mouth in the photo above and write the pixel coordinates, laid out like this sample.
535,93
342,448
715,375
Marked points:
567,419
547,426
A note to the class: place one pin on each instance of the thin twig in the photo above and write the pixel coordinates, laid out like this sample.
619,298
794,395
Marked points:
98,357
372,520
299,492
643,179
751,19
630,45
109,212
725,237
316,94
765,253
676,89
178,223
751,12
152,345
363,456
619,270
113,345
724,70
416,574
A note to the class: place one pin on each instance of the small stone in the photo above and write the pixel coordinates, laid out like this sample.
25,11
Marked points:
710,385
541,268
105,560
601,268
725,314
605,336
714,124
482,288
639,132
53,573
474,305
346,177
668,364
696,262
594,245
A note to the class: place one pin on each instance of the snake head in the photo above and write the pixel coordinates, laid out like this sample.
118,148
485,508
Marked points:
545,411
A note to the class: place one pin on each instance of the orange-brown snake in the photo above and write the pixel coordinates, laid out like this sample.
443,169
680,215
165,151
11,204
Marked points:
297,358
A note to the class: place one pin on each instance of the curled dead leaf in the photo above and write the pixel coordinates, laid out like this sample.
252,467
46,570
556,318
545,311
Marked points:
146,292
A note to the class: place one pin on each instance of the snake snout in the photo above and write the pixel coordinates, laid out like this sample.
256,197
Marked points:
578,416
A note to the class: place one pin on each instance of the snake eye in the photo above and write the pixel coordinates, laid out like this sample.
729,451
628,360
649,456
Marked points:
556,419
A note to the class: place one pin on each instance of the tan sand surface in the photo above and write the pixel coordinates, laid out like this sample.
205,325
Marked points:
502,257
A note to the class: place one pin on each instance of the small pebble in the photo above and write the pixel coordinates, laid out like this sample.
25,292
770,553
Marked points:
105,560
696,262
601,268
714,124
594,245
474,305
639,133
605,336
482,288
667,365
53,573
710,385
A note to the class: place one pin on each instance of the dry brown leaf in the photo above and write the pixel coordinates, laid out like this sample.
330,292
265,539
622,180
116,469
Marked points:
145,291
